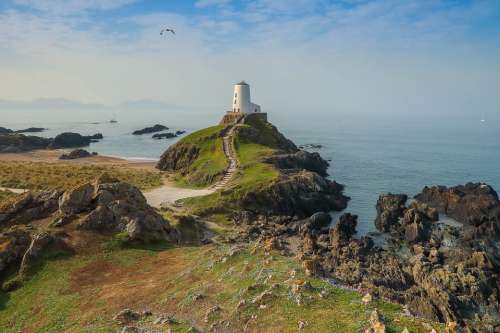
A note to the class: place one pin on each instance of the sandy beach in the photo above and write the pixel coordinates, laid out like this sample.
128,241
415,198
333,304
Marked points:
52,156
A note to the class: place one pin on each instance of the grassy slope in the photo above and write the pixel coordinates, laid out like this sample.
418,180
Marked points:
82,293
211,161
39,175
252,175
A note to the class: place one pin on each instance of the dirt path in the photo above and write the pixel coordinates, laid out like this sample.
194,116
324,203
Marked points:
169,193
13,190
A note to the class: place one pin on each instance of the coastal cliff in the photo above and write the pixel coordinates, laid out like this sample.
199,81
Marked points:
274,176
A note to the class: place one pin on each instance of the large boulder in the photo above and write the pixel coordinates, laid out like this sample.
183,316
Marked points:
77,200
113,206
343,230
75,154
390,208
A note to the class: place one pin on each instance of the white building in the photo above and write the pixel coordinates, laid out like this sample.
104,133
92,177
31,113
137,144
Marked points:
241,99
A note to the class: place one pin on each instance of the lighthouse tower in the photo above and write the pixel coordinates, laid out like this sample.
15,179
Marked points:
242,108
241,99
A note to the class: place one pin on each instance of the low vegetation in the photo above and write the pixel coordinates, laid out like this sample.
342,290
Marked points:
82,293
4,195
44,175
252,175
210,163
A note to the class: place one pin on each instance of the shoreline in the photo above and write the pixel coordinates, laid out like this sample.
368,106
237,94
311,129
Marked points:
52,156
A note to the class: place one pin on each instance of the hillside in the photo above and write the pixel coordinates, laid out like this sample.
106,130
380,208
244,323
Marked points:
274,177
86,253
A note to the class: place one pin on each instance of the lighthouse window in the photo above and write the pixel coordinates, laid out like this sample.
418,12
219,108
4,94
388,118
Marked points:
235,95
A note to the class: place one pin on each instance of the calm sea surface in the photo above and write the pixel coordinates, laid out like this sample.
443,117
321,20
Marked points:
368,158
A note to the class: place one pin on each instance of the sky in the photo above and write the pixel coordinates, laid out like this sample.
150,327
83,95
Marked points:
322,58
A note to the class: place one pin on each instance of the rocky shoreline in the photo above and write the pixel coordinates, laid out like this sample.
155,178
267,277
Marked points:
437,271
18,143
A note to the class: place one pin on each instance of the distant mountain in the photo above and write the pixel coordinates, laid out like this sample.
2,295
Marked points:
49,104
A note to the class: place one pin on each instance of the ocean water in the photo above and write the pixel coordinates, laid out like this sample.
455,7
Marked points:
369,157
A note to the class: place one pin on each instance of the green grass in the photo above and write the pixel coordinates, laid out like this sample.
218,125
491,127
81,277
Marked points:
51,301
42,175
252,176
211,161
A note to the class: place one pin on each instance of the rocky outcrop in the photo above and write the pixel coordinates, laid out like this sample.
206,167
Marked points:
75,154
153,129
17,143
178,157
13,245
301,160
465,203
167,135
28,207
4,130
112,206
266,134
31,130
438,271
390,208
301,194
73,140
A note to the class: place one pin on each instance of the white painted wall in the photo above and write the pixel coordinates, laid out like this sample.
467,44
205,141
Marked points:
241,99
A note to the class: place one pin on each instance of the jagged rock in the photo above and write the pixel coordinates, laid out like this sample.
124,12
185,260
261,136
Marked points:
300,160
75,154
320,220
77,200
301,194
376,326
343,230
390,207
148,130
13,245
178,157
464,203
29,206
415,224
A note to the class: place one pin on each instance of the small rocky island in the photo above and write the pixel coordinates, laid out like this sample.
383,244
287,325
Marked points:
152,129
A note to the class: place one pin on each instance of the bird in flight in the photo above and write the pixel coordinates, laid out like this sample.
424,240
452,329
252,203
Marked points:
165,30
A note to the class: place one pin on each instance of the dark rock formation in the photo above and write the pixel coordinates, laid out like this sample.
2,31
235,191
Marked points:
464,203
148,130
300,160
310,146
75,154
17,143
390,208
73,140
109,205
440,272
4,130
301,194
180,132
28,207
168,135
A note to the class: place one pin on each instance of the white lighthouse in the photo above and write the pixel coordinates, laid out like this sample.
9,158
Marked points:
241,99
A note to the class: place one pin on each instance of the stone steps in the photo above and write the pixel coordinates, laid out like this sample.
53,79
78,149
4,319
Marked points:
233,162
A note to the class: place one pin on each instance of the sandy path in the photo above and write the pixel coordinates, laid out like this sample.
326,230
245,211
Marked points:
169,194
13,190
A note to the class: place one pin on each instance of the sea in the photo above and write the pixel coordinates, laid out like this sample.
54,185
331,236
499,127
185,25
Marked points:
369,157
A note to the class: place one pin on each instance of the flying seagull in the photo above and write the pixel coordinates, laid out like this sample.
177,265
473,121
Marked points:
167,30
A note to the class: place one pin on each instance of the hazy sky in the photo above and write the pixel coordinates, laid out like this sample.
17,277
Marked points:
413,57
